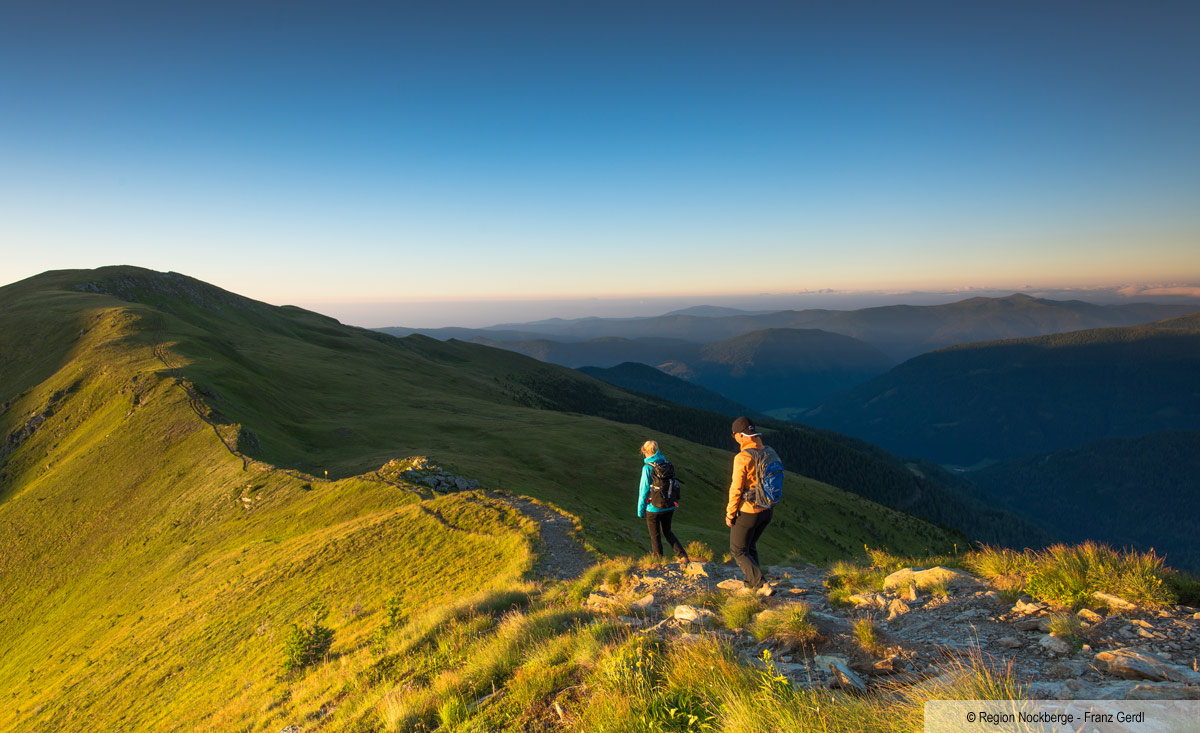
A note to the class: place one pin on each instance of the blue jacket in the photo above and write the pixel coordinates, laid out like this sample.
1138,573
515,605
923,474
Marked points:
644,504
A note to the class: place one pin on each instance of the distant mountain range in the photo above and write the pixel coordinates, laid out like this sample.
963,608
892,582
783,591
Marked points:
1006,399
786,361
900,331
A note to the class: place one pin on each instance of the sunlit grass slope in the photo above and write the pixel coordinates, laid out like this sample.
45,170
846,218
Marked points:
149,575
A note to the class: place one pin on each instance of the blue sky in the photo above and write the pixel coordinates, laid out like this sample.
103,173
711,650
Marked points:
391,152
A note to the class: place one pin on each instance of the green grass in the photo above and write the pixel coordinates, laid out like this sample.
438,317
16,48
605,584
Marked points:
699,551
867,636
149,577
738,611
1069,575
792,627
1065,576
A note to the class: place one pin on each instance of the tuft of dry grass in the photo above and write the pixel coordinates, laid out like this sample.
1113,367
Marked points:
867,636
699,551
791,627
739,611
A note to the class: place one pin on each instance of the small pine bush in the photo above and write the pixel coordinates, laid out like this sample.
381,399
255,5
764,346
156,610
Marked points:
308,644
394,608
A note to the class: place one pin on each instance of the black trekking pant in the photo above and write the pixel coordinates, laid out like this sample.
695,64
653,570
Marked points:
743,544
661,522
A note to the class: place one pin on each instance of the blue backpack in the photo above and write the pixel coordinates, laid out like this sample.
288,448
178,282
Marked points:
768,469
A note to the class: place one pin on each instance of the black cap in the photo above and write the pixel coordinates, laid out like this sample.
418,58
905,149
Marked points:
745,426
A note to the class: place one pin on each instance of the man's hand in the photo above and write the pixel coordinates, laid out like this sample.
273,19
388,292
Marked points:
728,522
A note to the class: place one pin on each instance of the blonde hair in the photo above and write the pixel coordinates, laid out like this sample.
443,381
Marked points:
650,447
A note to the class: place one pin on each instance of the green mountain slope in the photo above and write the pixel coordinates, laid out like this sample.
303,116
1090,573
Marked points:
1140,492
915,486
165,515
1006,399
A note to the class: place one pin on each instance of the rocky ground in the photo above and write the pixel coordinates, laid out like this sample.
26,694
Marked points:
1118,653
1115,650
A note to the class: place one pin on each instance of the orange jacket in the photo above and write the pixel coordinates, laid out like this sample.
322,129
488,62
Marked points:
743,478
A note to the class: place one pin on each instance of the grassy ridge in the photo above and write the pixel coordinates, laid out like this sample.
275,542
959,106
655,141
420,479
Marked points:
150,574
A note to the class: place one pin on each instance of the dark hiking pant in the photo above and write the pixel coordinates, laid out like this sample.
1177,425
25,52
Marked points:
743,544
661,522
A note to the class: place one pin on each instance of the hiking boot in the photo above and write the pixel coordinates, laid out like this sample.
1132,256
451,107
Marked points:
765,590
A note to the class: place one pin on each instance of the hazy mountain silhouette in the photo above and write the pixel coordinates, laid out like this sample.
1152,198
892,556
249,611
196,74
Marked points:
900,331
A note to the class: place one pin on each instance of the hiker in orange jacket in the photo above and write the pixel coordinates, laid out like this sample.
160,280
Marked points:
745,520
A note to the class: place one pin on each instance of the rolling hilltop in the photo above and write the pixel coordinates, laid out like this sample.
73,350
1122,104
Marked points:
166,513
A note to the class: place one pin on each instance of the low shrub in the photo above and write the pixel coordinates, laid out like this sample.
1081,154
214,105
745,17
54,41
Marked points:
307,644
393,610
1184,587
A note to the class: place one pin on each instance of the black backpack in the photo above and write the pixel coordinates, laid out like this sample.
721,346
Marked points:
664,487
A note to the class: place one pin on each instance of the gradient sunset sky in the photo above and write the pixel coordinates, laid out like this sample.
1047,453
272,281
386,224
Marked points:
438,151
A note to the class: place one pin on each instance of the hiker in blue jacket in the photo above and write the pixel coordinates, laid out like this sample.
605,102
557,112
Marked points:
653,503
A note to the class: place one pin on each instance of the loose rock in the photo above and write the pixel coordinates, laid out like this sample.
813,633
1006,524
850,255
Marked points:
1138,664
932,576
644,602
1056,644
897,608
1114,602
844,677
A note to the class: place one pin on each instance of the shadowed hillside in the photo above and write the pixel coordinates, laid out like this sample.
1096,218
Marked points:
1141,492
769,369
1006,399
651,381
